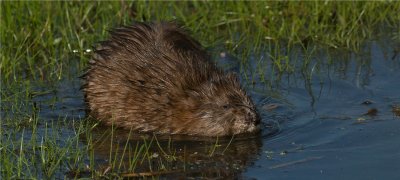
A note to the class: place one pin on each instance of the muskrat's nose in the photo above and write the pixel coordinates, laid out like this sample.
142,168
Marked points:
257,119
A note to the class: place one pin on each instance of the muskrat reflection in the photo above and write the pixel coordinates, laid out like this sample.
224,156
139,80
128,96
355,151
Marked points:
175,156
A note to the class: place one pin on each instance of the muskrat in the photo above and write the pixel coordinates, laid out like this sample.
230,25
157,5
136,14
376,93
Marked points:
154,77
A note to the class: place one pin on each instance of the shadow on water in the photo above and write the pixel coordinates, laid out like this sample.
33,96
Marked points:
336,117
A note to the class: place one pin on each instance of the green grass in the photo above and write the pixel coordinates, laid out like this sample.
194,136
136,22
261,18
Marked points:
43,43
39,38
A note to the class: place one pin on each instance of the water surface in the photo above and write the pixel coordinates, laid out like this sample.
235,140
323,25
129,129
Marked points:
343,124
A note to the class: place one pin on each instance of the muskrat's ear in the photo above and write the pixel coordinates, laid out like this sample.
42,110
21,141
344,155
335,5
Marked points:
179,37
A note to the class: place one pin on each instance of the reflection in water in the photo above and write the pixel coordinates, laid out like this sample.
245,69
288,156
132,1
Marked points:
173,156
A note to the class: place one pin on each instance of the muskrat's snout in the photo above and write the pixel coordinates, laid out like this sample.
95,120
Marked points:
252,117
257,120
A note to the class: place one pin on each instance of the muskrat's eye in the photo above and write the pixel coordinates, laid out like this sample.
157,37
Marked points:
226,106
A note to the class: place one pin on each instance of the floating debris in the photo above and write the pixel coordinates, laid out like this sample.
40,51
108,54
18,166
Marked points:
367,102
270,107
295,162
396,110
372,112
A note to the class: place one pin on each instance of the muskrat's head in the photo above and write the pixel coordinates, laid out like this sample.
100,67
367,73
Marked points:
220,107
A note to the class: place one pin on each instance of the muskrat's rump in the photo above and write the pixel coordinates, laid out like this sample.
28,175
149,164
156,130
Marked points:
155,78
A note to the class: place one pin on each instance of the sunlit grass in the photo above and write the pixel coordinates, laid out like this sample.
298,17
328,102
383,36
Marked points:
39,38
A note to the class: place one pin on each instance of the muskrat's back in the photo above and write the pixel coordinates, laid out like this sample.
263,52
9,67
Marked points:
155,78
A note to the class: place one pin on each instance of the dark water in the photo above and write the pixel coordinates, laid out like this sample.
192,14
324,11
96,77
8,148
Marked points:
333,118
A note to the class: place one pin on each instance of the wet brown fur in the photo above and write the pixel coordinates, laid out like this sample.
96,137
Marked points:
153,77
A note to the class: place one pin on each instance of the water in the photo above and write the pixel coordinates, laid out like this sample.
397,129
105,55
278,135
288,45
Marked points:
332,119
332,135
